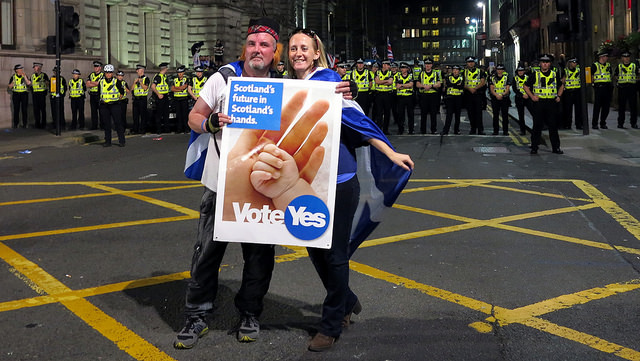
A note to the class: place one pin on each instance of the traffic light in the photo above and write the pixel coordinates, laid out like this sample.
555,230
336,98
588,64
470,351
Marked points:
568,17
69,33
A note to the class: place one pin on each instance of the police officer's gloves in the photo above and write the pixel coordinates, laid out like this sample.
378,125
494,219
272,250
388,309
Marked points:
213,123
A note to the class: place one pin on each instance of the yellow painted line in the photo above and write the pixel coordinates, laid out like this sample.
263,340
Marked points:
91,291
542,194
625,219
583,338
153,201
8,157
91,195
298,252
486,308
96,227
418,234
557,237
113,330
445,295
91,182
437,187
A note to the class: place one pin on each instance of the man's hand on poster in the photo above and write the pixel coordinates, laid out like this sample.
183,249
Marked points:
308,156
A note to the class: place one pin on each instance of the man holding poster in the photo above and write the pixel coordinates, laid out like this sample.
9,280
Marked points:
261,51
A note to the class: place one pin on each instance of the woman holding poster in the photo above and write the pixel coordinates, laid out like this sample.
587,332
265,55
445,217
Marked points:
307,60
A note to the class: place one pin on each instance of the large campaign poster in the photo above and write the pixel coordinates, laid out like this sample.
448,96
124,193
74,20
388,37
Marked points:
279,162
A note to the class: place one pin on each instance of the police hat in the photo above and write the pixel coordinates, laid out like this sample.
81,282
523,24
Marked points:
428,61
281,63
376,64
18,66
120,72
360,61
626,54
37,64
500,67
603,53
96,64
572,60
140,66
520,68
163,65
404,65
545,57
199,68
470,59
394,65
456,67
75,71
386,62
181,69
341,65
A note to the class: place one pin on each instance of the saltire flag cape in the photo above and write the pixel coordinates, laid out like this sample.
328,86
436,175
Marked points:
389,51
198,143
381,180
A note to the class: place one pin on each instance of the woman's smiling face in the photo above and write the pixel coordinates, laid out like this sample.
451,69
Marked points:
302,53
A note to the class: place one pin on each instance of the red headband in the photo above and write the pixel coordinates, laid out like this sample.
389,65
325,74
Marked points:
262,29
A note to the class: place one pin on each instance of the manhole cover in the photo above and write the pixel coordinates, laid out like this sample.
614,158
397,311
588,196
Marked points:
490,149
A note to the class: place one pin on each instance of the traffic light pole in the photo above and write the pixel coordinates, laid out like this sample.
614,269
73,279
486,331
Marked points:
584,35
57,100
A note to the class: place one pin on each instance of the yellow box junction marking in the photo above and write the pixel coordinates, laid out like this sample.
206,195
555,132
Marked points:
53,291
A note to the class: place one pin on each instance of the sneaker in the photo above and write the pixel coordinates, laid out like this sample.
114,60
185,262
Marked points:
195,328
249,329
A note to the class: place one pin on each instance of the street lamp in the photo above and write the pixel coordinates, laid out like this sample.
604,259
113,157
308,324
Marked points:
473,30
481,4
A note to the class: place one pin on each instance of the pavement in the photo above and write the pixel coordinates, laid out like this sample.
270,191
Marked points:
610,146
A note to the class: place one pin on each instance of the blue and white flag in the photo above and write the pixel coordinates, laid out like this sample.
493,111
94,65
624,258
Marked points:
381,180
199,142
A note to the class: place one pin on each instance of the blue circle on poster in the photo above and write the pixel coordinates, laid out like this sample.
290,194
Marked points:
307,217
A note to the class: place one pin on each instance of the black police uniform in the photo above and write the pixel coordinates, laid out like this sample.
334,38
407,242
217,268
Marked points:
404,102
603,92
521,101
140,113
111,108
19,97
454,90
571,99
162,105
181,101
627,76
55,98
500,106
39,91
429,100
384,101
474,101
545,110
94,98
77,89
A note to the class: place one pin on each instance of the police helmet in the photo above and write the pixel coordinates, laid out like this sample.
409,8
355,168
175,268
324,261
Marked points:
500,67
626,54
97,64
140,66
470,59
120,73
428,61
404,65
37,64
456,67
75,71
108,68
18,66
572,60
199,68
181,69
281,63
520,68
545,57
394,65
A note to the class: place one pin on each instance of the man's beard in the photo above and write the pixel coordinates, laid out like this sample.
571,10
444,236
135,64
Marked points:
262,65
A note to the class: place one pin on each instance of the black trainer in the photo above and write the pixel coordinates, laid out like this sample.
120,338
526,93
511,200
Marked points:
195,328
249,328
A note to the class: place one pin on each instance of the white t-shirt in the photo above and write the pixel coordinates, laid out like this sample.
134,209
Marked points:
213,93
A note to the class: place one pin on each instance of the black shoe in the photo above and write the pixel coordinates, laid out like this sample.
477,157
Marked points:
106,145
472,132
621,126
595,127
534,151
481,133
578,128
411,133
120,145
444,133
457,132
603,126
634,126
495,132
434,131
557,151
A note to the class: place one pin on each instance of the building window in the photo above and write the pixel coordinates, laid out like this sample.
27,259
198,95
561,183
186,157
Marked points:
425,21
435,44
435,32
406,10
434,21
435,9
424,9
426,33
7,34
426,45
436,57
453,20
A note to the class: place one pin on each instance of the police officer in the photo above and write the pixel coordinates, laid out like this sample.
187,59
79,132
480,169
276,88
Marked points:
429,83
140,93
180,99
384,86
373,93
545,88
394,91
94,98
404,92
111,91
626,75
124,100
57,98
522,98
160,88
39,86
18,84
363,79
571,96
341,69
77,89
601,73
499,87
281,72
454,89
474,79
196,83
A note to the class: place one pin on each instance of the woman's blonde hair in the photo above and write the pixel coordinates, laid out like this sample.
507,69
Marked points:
321,61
